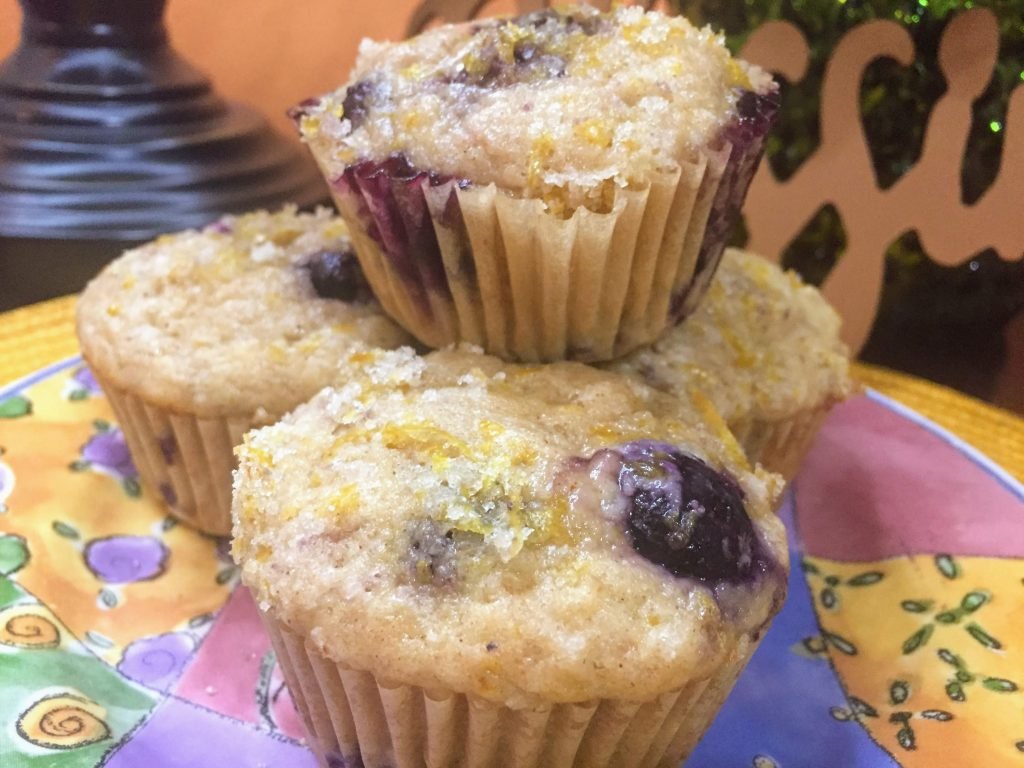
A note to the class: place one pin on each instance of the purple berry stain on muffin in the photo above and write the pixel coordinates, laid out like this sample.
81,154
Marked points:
390,199
335,274
431,554
358,102
755,116
687,517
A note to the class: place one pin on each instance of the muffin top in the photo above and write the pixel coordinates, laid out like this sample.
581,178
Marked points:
560,104
761,345
522,534
253,312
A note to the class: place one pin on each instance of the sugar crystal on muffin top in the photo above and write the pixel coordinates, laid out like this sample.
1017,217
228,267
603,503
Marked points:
562,104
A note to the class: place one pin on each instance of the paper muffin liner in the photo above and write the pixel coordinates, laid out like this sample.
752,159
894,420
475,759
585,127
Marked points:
356,719
780,445
184,459
451,261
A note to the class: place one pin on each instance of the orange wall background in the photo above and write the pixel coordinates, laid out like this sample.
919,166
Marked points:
269,53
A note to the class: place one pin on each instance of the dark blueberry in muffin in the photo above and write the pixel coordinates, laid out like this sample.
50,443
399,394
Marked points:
687,517
356,104
431,553
336,275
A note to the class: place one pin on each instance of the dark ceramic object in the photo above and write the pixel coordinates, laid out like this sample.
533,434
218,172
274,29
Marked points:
109,138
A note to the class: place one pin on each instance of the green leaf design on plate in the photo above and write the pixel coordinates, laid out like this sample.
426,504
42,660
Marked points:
1020,745
840,713
983,637
918,639
168,523
828,598
999,685
955,691
947,566
937,714
861,708
15,407
814,644
964,676
808,567
949,657
131,487
101,425
916,606
100,641
227,574
833,581
79,465
13,553
947,617
840,643
197,621
905,737
77,395
63,529
108,598
974,600
899,692
865,579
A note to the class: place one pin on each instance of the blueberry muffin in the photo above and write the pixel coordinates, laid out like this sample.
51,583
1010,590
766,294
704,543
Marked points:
467,562
765,349
201,335
560,184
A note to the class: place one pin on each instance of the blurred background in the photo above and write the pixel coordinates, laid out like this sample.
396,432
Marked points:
960,324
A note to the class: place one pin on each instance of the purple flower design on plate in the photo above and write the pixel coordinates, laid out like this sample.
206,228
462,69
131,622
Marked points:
85,379
107,452
157,661
126,559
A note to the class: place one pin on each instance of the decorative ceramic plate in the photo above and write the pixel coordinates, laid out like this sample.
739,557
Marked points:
126,641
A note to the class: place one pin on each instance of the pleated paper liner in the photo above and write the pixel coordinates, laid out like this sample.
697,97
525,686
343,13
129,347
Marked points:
355,719
185,459
476,264
779,445
451,261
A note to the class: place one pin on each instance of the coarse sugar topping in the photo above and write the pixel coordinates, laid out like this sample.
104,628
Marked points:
563,104
436,509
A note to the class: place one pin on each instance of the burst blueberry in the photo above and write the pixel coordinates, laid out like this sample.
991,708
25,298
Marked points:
686,516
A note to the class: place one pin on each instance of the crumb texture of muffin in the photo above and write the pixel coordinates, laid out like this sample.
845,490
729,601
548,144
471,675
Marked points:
229,319
764,347
564,105
524,536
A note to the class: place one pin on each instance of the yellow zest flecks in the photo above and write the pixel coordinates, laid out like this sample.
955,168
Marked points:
114,310
263,553
276,353
309,125
716,424
343,501
422,436
596,131
541,151
128,283
738,76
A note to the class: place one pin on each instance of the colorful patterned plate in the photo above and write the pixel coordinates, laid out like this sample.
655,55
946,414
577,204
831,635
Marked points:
126,641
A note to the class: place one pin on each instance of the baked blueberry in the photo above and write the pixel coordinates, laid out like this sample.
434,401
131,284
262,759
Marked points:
686,516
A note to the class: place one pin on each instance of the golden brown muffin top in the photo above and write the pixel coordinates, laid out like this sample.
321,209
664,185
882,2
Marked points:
523,534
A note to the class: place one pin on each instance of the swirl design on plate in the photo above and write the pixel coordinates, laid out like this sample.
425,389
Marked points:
28,626
63,721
